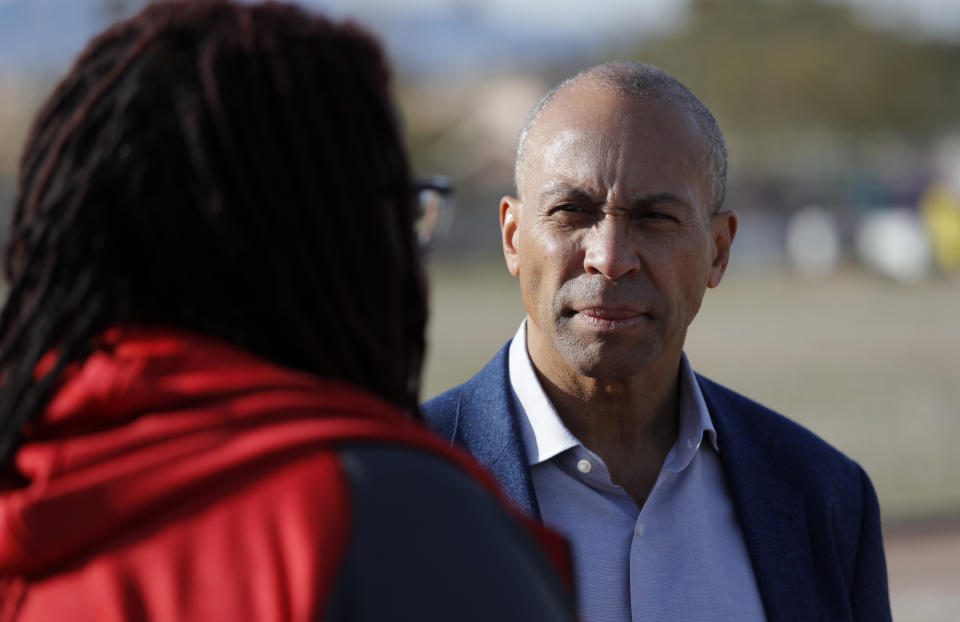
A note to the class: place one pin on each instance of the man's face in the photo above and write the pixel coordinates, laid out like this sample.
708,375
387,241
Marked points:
613,241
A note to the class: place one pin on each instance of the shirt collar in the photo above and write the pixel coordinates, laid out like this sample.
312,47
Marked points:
545,436
694,421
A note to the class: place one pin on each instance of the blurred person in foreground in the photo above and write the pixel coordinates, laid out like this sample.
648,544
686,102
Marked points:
214,324
682,499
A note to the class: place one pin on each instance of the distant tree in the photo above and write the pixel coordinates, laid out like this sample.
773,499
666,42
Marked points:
770,64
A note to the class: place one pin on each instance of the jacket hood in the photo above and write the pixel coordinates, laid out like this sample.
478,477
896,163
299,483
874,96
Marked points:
154,417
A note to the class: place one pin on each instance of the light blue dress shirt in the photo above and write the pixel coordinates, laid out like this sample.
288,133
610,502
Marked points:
683,557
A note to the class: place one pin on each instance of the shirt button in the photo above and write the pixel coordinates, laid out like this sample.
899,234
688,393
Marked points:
640,530
584,466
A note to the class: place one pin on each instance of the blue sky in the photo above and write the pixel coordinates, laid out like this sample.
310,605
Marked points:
442,35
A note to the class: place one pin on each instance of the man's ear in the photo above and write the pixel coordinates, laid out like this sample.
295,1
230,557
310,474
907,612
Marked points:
509,228
723,228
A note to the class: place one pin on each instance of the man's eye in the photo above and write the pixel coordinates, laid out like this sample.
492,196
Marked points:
656,220
664,216
570,210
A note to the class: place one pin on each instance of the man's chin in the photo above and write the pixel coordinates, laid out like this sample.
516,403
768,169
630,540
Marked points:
612,363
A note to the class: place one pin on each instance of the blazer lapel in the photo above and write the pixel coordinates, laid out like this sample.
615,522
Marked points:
771,511
486,424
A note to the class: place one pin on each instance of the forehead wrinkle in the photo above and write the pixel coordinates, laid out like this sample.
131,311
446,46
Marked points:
570,153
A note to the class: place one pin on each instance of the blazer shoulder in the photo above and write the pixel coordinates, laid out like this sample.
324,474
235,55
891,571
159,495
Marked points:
792,448
442,411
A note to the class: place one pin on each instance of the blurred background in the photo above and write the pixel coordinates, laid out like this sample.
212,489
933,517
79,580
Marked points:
842,304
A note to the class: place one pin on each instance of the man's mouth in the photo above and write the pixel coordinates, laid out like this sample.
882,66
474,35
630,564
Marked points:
610,318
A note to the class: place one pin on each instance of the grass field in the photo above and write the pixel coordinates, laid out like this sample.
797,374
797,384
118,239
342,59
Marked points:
871,366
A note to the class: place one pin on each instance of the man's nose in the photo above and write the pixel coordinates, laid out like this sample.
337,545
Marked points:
610,249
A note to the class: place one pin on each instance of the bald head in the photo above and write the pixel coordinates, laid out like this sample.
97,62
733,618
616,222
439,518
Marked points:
642,82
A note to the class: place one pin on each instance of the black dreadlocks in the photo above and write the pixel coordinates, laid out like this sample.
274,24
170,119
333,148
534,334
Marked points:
231,169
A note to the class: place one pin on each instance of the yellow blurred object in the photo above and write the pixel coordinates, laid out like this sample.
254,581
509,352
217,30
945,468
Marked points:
940,208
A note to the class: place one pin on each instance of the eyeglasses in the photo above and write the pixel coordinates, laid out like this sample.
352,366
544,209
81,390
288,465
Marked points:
434,197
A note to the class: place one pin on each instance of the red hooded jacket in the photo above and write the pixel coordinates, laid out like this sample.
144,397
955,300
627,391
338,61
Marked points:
173,477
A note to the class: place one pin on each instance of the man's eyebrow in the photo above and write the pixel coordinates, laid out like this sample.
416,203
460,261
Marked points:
657,198
565,191
569,192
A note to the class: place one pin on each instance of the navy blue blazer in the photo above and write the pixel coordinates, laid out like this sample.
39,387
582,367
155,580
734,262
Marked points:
809,514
